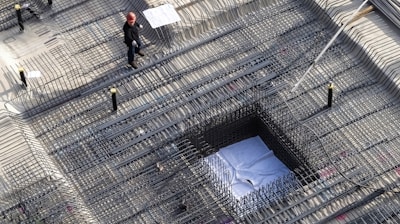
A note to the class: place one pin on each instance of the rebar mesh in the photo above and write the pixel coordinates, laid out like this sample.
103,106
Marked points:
226,75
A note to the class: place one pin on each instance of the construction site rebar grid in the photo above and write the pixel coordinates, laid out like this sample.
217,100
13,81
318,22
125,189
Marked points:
227,76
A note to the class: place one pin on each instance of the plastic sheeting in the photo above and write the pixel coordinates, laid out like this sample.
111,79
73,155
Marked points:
249,165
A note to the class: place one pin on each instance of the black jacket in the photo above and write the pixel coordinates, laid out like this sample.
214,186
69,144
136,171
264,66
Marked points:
131,33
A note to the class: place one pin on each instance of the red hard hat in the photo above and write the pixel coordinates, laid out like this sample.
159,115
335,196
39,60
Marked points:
131,17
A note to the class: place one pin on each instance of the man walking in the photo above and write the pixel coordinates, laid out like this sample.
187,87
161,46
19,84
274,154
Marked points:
132,39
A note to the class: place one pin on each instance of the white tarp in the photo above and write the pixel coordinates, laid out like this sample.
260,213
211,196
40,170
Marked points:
161,15
250,164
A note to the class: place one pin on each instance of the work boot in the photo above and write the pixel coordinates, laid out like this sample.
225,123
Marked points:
134,64
141,53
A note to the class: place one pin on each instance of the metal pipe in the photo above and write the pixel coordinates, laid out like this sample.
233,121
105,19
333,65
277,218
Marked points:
327,46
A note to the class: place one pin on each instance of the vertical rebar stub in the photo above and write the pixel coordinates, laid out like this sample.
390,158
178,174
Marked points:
22,76
330,94
114,98
19,17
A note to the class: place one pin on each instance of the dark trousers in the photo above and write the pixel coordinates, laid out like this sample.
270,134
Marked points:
132,50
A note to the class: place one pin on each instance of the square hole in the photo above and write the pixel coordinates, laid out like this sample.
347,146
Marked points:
246,161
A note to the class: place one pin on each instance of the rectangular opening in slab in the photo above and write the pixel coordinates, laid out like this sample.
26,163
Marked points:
245,162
